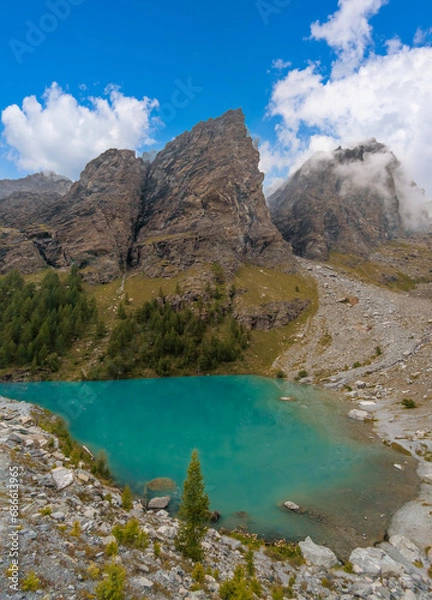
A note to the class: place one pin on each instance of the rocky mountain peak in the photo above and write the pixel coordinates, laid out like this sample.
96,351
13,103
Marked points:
198,201
39,183
350,200
203,202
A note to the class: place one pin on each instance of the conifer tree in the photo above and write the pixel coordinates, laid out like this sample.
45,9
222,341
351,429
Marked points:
193,512
127,498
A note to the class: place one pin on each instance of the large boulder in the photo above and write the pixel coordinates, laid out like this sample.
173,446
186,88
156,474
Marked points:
406,547
374,562
62,477
159,503
318,555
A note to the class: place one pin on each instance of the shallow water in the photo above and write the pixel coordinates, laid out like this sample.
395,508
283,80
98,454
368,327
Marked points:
255,450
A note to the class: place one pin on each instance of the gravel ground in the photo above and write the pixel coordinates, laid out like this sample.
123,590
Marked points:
344,333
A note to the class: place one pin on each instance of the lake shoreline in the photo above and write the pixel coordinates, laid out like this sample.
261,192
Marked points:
47,520
322,512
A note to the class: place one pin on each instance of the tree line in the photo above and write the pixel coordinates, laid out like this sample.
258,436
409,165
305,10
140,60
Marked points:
39,323
173,340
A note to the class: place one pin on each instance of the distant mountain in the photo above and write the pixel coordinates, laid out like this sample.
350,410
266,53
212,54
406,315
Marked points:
199,201
351,201
40,183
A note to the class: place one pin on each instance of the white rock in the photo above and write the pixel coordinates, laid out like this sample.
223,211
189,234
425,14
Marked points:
374,562
409,595
406,548
62,477
58,516
231,542
318,555
291,505
159,503
359,415
143,582
168,532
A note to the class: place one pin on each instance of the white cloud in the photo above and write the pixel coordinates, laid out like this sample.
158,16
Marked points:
348,32
422,36
62,135
280,64
385,96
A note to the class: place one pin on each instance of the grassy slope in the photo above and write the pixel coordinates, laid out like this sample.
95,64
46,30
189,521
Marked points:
258,286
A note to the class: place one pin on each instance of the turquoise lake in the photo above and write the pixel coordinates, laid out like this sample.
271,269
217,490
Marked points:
256,451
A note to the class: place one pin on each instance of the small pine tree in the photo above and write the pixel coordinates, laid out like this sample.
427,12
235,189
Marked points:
121,313
127,498
193,512
112,588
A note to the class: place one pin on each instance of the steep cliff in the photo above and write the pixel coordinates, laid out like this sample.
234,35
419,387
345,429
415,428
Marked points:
200,201
349,201
203,202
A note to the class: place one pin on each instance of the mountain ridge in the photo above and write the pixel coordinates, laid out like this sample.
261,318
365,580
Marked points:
199,201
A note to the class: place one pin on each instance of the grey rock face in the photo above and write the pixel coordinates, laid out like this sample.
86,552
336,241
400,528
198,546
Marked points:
200,201
347,201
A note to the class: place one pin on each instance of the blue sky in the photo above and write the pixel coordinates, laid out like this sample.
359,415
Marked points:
222,51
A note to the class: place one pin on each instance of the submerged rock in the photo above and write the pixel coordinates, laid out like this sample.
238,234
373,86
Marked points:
162,484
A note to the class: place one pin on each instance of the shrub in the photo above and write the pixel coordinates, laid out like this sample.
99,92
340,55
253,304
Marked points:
157,548
100,467
280,374
111,549
250,565
46,511
239,587
131,535
408,403
283,550
93,571
277,593
348,567
127,498
302,374
112,588
198,573
31,583
76,529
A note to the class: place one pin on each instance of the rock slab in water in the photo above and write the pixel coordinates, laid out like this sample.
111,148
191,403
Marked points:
159,503
291,506
62,477
318,555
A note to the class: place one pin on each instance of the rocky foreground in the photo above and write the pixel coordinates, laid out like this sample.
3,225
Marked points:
66,521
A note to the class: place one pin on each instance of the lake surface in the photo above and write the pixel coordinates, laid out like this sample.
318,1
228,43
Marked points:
256,451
